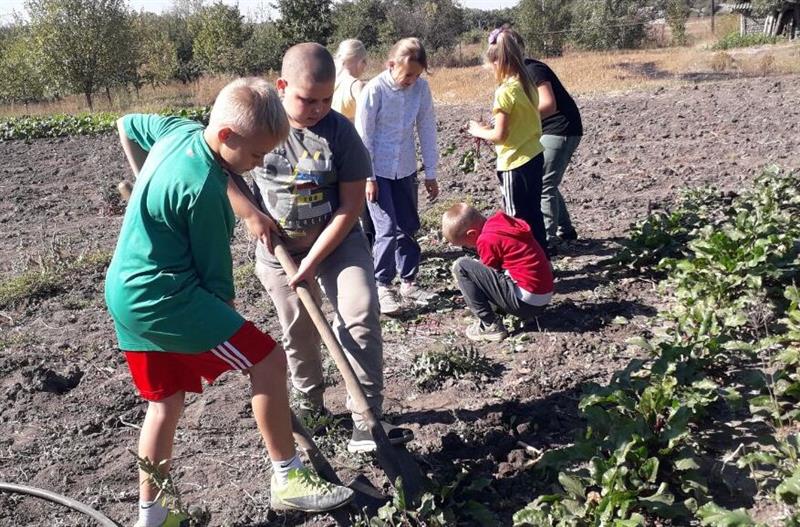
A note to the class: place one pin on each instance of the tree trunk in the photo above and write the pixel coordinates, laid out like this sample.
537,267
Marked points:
108,95
88,95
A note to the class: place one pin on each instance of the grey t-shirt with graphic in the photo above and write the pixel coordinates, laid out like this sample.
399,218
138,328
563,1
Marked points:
298,184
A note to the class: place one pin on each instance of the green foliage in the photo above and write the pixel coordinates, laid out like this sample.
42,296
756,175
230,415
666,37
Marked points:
737,40
733,273
264,50
361,19
544,24
664,233
761,8
219,35
304,21
438,23
157,52
431,368
469,161
454,502
21,77
85,44
677,15
60,125
613,24
713,515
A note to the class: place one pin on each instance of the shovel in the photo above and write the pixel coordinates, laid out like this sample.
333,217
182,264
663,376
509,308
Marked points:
397,463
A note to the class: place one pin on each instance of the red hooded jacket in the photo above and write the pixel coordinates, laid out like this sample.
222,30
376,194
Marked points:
507,243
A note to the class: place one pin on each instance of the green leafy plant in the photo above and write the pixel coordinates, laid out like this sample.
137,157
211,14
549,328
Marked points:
729,277
469,161
454,502
665,233
431,368
735,39
82,124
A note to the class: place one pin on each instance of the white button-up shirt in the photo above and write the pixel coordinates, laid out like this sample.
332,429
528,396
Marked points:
386,116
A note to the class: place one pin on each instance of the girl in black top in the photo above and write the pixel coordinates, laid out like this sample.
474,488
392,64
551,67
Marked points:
562,130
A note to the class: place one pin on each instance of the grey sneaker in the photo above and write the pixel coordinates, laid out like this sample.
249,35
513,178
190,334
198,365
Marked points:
362,441
306,491
413,293
388,300
494,332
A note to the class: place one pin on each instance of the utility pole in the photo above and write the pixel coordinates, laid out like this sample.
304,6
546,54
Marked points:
713,9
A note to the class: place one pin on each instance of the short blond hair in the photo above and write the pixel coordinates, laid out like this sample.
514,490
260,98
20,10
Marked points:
248,106
348,51
409,49
458,219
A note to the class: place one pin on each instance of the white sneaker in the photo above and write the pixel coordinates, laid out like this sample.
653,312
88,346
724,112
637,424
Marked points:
412,293
388,300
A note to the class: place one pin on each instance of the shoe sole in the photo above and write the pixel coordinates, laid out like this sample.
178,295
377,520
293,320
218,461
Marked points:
487,338
369,446
282,506
419,302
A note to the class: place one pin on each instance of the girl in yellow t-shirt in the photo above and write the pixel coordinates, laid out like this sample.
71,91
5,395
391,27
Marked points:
516,132
351,61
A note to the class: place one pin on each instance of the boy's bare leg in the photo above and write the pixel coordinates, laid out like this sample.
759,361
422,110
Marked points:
271,404
157,438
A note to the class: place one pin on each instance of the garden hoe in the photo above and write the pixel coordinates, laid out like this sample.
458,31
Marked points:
397,463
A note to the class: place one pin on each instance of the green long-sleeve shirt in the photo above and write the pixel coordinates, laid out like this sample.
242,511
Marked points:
171,274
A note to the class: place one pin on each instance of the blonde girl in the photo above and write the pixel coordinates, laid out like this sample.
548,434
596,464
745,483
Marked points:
351,61
516,132
393,108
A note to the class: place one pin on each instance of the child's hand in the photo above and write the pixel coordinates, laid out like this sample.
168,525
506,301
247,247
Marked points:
432,187
306,272
372,191
475,128
260,226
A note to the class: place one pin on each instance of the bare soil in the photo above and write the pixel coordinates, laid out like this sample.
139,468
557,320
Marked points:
69,414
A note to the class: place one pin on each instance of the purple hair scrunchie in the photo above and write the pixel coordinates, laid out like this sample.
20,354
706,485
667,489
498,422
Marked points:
493,35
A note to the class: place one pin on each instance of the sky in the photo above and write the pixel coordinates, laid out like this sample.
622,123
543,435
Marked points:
247,7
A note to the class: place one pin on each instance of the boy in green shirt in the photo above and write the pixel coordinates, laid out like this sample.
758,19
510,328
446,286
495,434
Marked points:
170,292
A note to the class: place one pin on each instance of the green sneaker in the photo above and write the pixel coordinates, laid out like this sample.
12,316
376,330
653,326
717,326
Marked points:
306,491
174,519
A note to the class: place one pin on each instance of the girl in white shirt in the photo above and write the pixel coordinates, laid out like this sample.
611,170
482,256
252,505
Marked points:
391,107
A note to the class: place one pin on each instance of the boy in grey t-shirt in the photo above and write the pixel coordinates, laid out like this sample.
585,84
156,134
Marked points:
313,187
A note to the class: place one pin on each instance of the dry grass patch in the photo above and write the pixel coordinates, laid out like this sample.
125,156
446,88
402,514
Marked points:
590,73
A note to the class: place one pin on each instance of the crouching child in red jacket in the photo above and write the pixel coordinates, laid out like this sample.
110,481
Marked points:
513,273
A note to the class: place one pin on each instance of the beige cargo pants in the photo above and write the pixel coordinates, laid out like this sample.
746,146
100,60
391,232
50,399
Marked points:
347,277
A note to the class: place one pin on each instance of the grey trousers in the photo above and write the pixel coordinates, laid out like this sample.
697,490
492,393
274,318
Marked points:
485,288
558,151
348,279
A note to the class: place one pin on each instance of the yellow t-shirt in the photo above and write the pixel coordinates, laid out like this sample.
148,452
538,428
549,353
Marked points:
343,100
524,127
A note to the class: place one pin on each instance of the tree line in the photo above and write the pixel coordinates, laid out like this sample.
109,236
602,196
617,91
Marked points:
89,47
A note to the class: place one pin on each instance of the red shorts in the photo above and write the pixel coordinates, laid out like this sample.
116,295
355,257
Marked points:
160,374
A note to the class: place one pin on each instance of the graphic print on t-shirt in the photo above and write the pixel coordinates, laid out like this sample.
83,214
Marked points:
297,183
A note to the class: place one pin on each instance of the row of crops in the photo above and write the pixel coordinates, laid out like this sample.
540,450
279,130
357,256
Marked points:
712,405
61,125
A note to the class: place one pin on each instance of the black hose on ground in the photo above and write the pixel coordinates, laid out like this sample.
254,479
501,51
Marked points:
61,500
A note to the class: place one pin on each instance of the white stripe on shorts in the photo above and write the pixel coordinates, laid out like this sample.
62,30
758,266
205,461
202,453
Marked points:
223,354
238,354
508,192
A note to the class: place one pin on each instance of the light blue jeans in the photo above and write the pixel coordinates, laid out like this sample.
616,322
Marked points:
558,150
